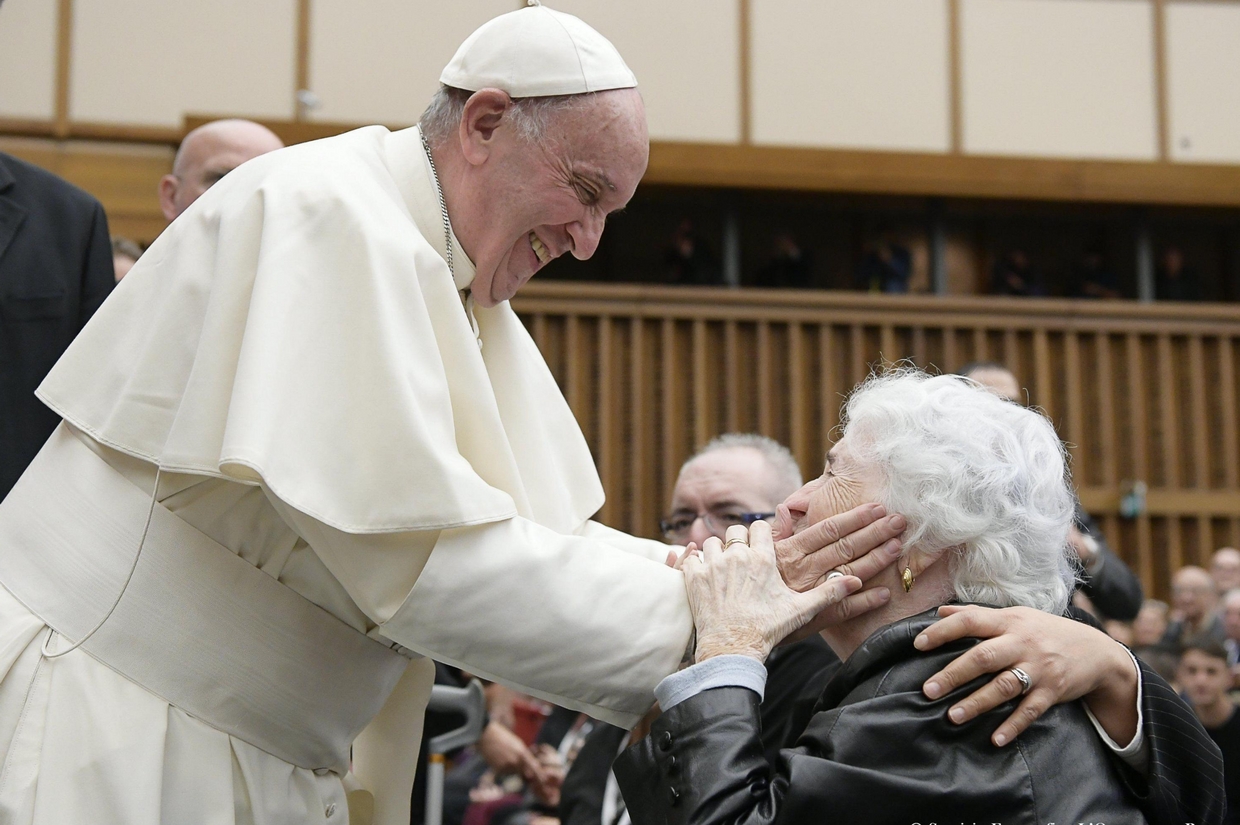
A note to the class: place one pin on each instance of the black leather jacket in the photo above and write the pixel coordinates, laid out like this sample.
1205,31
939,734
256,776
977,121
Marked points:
875,751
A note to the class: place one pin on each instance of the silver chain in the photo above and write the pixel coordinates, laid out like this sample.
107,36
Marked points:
443,207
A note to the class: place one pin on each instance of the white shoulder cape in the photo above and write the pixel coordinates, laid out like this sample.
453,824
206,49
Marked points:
298,327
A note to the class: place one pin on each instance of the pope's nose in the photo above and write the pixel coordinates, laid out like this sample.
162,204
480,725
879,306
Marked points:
586,235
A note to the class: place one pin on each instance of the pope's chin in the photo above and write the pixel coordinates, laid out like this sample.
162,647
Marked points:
513,272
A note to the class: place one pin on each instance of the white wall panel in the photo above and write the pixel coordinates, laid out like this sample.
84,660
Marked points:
378,61
686,55
28,59
1203,81
843,73
149,62
1059,78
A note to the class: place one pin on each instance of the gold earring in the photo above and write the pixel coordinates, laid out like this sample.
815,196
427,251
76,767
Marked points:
907,579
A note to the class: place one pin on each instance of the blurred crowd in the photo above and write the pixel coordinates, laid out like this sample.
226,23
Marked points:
883,262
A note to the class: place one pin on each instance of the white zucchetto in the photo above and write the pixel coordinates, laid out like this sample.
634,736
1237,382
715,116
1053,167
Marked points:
537,52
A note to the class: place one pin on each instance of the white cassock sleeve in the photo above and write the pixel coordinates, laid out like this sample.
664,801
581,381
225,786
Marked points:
570,619
653,550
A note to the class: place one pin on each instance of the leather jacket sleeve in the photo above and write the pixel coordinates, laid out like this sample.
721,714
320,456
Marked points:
703,762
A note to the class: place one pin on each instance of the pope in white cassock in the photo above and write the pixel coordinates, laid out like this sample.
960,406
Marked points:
305,444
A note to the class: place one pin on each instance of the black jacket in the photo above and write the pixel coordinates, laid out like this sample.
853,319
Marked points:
875,751
55,271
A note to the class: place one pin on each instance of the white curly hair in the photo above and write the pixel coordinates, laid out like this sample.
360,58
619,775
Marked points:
974,473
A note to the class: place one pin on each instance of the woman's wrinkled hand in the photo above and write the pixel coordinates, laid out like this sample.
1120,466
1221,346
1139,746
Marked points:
861,542
1063,658
740,602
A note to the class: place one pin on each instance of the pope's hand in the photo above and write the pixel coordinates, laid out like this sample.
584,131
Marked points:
845,543
739,601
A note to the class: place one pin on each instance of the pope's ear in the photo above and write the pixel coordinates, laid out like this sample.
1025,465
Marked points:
483,113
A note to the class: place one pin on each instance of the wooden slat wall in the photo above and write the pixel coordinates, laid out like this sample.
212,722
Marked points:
1139,392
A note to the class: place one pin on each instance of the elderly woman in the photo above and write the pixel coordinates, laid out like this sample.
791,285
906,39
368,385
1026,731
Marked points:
983,485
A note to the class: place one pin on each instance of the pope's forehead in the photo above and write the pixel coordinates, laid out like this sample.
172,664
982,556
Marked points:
602,125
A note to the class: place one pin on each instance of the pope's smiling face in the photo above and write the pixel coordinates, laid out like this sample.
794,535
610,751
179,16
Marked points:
537,200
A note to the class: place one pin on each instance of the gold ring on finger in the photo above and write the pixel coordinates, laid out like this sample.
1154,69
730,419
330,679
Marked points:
733,541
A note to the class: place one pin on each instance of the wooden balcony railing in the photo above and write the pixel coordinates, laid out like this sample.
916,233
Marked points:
1139,392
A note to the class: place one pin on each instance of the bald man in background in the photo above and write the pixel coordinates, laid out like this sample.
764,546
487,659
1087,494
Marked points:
207,154
1225,569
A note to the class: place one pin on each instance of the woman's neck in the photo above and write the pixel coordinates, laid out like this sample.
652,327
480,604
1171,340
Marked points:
931,589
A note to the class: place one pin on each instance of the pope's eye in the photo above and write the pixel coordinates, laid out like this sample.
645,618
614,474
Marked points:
586,194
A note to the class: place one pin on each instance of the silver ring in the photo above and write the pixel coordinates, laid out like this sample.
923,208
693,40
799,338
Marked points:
1023,678
834,574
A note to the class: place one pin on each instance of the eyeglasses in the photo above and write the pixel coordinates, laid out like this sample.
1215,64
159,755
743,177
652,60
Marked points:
676,527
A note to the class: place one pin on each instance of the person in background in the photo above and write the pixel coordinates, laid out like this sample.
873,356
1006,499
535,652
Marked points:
689,261
125,253
1225,569
1093,278
1206,680
1230,614
886,265
1194,600
206,155
1110,585
790,265
1150,626
1014,275
1173,281
55,271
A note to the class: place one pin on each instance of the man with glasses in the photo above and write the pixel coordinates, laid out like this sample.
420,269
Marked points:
739,478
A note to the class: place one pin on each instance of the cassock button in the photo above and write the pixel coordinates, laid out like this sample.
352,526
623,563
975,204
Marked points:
673,797
665,741
673,766
329,810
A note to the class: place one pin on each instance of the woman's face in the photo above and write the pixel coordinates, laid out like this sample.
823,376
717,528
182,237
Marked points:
844,484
